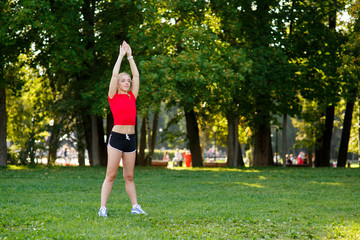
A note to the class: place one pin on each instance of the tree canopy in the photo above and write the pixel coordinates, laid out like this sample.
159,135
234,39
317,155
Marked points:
246,62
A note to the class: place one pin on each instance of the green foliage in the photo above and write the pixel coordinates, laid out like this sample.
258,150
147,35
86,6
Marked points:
212,203
27,115
13,34
309,124
243,58
350,70
317,47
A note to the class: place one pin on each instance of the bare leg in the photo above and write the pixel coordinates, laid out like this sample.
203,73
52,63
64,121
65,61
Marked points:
128,173
114,157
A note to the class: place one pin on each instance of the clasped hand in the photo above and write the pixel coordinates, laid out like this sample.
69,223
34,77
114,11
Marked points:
125,49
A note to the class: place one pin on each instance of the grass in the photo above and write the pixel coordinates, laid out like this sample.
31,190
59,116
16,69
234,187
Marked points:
249,203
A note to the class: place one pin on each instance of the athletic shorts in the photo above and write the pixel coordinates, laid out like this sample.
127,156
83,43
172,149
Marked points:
123,142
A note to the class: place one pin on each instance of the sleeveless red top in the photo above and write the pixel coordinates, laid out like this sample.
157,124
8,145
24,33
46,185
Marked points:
123,108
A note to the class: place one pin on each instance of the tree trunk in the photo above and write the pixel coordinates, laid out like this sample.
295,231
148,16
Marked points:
136,134
88,32
234,155
284,139
240,156
53,144
318,144
30,149
262,146
231,142
323,157
109,125
142,161
3,124
152,143
80,140
193,137
345,135
95,141
102,144
81,147
86,121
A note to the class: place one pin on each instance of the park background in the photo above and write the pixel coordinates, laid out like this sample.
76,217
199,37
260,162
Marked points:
246,76
256,77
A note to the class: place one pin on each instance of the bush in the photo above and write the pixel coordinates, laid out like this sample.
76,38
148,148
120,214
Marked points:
12,158
159,154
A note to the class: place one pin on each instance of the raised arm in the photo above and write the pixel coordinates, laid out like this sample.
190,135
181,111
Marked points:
135,83
115,73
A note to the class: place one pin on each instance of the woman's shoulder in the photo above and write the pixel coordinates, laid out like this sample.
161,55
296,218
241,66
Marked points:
132,94
111,97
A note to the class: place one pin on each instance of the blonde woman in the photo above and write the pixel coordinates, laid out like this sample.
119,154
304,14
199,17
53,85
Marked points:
122,141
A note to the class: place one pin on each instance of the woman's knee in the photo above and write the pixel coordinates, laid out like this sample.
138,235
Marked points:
110,177
128,177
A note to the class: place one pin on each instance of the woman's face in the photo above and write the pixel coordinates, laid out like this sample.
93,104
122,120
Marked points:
124,82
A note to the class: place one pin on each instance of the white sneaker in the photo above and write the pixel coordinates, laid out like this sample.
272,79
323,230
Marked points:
137,210
103,212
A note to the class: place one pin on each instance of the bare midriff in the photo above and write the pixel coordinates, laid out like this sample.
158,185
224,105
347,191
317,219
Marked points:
124,129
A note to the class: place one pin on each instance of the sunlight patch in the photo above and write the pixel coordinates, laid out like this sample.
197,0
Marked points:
255,185
328,183
217,169
344,231
14,167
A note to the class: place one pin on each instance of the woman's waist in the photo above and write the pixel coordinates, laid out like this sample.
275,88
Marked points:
124,129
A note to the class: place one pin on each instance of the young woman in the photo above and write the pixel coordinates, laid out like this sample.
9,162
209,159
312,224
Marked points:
122,143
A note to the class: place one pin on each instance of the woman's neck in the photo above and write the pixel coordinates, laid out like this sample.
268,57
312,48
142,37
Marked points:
122,91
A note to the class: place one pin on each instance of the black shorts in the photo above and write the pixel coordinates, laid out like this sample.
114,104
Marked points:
123,142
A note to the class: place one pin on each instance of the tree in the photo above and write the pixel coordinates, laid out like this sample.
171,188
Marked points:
28,118
181,45
75,47
248,25
14,39
350,87
316,44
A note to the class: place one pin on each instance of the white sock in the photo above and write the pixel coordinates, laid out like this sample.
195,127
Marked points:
134,206
102,207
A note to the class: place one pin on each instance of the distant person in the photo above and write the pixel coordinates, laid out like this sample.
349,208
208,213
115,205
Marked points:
288,161
300,158
66,157
122,141
188,159
184,154
306,159
276,159
177,158
166,156
335,163
292,159
313,160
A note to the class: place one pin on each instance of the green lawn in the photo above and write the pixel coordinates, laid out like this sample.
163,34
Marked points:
249,203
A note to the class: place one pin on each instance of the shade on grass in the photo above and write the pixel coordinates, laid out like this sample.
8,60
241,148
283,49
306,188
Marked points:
255,203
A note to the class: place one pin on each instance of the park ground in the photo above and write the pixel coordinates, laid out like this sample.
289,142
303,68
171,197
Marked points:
182,203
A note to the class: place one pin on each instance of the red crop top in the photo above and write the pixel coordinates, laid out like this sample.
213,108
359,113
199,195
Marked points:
123,108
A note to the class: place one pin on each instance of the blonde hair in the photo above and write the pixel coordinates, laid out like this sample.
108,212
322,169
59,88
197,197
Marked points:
123,73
